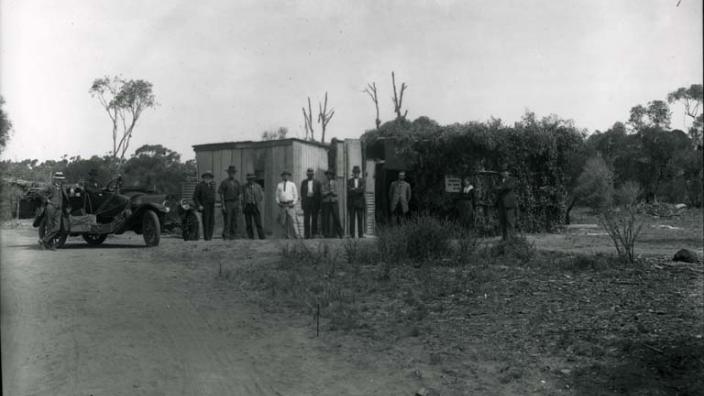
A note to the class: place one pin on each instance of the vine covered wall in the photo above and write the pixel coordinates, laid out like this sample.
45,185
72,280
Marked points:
536,152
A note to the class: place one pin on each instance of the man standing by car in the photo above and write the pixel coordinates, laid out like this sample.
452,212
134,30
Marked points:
310,200
400,196
204,199
252,198
54,199
329,207
355,202
286,198
229,191
92,185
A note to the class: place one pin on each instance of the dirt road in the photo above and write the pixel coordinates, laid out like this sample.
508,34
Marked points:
122,319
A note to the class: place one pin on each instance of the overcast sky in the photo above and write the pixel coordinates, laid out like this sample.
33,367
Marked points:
227,70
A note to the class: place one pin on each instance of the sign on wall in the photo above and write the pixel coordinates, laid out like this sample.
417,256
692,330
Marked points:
453,184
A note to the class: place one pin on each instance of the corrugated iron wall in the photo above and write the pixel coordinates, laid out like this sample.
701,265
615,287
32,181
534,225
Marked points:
267,162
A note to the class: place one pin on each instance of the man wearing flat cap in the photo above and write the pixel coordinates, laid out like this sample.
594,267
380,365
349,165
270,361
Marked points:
55,199
229,191
252,198
330,210
204,199
355,202
310,200
286,198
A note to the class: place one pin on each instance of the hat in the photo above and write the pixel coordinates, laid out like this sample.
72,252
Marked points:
231,169
93,172
59,176
251,176
355,169
285,172
310,170
329,172
207,174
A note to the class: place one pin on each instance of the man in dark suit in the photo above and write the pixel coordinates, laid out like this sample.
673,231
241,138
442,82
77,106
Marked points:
506,204
329,208
252,197
355,202
204,200
310,201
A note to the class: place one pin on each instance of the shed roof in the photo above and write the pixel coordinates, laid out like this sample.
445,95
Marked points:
254,144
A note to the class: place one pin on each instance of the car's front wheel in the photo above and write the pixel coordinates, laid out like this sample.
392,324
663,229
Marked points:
94,239
191,226
151,228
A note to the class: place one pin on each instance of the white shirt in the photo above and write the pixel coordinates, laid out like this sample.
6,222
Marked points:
356,182
310,188
289,194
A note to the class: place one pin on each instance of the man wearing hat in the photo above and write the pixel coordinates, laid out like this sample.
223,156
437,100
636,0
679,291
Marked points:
286,198
506,204
229,191
330,210
310,200
204,199
252,198
54,199
92,185
355,202
399,196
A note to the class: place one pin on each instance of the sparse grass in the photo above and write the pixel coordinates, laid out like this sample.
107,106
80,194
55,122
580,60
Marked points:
507,303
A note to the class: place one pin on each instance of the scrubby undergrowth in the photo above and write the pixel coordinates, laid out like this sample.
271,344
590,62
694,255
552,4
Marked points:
584,324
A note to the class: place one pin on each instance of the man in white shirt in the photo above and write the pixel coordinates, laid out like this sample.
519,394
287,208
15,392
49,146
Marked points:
286,198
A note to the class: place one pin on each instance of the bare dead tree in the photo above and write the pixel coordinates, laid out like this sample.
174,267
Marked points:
324,116
371,91
308,120
398,99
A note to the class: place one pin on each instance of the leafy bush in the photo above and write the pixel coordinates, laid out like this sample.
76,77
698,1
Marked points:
537,151
623,226
595,186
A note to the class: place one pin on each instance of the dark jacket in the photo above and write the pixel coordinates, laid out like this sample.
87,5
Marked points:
254,192
314,201
505,194
204,194
355,196
55,195
230,190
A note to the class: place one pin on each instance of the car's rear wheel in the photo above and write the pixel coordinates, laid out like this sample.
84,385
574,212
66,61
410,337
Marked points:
94,239
59,239
191,226
151,228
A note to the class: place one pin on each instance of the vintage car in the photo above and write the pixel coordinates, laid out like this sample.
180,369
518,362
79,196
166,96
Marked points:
95,214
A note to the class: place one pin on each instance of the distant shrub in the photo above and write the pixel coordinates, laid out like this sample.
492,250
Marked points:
595,186
628,193
623,226
419,239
